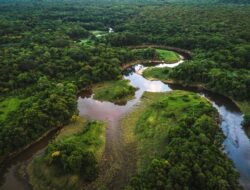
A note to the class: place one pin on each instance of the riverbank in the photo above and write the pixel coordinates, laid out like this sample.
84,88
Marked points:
185,53
81,137
159,127
161,74
50,133
112,113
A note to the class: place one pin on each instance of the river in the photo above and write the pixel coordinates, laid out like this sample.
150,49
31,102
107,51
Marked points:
120,162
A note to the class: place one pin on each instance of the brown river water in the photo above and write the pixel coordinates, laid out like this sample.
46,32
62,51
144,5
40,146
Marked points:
118,159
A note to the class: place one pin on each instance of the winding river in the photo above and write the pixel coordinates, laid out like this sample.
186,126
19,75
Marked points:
120,162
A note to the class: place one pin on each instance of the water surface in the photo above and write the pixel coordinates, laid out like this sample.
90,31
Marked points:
117,158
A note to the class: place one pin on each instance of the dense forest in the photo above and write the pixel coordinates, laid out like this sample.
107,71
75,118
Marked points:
50,51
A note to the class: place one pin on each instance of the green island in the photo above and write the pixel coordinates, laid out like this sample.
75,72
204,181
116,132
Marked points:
157,73
71,159
118,92
174,132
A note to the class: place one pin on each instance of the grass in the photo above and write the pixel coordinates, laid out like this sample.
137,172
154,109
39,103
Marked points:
8,105
89,137
159,54
168,56
98,33
72,128
118,92
148,125
87,42
156,73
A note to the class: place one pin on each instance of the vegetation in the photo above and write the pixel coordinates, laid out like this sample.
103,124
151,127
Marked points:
52,106
168,56
71,159
49,50
158,54
118,92
156,73
8,105
233,83
171,132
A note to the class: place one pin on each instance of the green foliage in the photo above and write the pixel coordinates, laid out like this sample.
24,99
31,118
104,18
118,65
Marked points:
179,146
116,91
78,153
51,107
158,54
156,73
233,83
70,159
147,53
8,105
168,56
43,63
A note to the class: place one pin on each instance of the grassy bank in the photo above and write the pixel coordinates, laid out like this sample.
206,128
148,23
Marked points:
171,129
118,92
157,54
168,56
71,159
156,73
163,75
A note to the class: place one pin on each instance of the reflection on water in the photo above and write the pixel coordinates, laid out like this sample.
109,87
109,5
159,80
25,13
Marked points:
236,144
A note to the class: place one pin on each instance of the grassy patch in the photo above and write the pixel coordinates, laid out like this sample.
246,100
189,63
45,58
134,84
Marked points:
156,73
118,92
87,42
158,54
71,129
71,159
168,56
8,105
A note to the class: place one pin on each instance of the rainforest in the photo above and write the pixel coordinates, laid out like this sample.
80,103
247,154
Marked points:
122,94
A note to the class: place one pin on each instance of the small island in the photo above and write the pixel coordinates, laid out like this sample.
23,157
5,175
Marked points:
118,92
